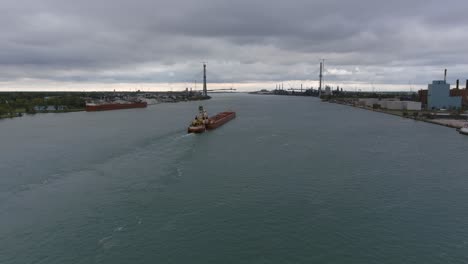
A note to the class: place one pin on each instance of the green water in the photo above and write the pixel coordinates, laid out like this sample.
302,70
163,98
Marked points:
290,180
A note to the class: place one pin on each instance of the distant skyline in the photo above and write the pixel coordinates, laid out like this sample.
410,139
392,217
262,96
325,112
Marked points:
249,45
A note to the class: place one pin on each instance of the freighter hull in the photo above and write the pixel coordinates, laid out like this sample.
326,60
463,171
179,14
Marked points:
107,107
212,122
220,119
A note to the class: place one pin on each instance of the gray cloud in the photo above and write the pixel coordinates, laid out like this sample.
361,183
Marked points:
389,42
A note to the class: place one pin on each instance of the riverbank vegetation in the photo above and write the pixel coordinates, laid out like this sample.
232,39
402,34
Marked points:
13,104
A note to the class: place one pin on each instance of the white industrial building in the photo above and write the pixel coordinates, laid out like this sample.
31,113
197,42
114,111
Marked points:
391,104
401,105
369,102
412,106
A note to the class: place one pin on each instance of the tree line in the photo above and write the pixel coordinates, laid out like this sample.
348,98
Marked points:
13,104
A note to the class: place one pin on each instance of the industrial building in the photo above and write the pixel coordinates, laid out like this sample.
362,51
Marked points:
438,96
463,93
391,104
401,105
369,102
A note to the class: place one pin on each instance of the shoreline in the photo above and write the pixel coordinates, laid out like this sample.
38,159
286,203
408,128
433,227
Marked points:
23,113
451,123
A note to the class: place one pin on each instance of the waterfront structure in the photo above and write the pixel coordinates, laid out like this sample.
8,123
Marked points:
369,102
461,92
412,106
402,105
422,94
391,104
438,96
49,108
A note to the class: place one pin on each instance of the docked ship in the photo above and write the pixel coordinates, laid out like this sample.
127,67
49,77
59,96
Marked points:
202,122
92,107
464,130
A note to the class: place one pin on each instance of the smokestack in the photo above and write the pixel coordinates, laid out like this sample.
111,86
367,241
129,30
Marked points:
445,75
458,84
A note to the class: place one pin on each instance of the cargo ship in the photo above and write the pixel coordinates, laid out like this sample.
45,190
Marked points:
202,122
92,107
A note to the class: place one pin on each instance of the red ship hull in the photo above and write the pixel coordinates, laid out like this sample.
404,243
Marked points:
213,122
196,129
220,119
106,107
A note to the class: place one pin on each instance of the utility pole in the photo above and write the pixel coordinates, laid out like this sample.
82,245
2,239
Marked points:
205,91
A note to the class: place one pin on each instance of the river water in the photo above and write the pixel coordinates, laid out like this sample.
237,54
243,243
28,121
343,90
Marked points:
290,180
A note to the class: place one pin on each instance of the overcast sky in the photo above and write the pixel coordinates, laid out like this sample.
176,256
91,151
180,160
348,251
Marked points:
62,44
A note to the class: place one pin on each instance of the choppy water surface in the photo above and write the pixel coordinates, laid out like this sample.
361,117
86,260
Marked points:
291,180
